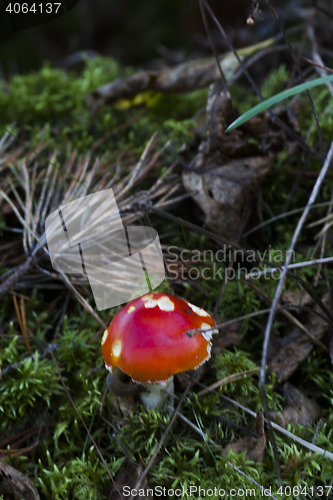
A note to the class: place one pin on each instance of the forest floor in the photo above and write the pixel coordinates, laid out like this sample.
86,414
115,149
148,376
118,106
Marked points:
227,206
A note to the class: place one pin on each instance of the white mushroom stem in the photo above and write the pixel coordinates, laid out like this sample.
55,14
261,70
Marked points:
157,394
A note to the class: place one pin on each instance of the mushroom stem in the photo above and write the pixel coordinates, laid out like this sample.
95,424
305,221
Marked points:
156,395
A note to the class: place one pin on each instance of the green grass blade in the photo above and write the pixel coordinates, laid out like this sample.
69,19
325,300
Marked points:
277,98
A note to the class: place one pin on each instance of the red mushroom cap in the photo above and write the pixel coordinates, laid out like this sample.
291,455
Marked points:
146,339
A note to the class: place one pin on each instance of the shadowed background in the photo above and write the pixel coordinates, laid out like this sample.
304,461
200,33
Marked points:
145,33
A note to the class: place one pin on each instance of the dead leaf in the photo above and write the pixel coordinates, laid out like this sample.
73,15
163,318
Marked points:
298,410
224,194
226,172
254,446
300,297
128,476
14,485
225,176
296,346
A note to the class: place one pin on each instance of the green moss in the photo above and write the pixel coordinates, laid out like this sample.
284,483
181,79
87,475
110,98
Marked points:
51,105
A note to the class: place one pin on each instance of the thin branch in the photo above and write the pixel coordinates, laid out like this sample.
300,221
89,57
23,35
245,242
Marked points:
282,430
270,321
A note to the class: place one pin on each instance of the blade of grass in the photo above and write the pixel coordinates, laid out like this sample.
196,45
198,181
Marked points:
259,108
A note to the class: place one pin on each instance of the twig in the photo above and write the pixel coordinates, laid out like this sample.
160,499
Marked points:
281,216
228,380
282,430
323,244
199,431
321,66
139,165
204,18
288,315
270,321
234,246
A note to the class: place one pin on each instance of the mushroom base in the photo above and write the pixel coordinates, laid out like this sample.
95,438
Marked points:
157,394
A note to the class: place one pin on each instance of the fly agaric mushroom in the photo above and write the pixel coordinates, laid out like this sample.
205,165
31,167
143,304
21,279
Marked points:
147,341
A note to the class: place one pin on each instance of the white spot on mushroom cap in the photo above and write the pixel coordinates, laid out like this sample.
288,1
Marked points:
164,303
108,367
209,348
130,309
105,334
198,311
116,348
207,335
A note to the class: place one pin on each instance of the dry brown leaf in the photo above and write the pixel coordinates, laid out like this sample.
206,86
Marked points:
300,297
128,476
295,347
254,446
225,193
298,410
228,168
225,176
14,485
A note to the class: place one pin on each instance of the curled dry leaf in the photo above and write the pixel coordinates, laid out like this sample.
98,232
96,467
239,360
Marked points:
254,446
298,410
128,476
14,485
296,346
